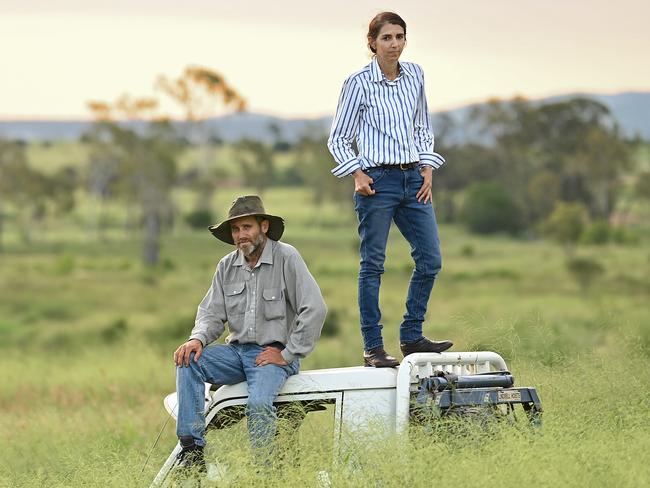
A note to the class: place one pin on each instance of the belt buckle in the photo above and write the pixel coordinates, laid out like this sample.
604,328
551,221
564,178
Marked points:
401,166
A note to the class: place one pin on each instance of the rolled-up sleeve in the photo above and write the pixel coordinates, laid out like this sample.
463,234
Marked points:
306,299
423,134
344,129
211,314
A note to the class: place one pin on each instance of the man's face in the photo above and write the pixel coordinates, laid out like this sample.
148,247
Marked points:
248,234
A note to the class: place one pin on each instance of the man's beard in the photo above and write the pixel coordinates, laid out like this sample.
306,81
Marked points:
250,247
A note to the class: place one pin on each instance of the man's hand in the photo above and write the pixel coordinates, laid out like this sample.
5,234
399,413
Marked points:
182,354
270,355
425,192
362,183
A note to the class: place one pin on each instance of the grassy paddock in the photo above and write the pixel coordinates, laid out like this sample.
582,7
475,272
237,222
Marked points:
86,335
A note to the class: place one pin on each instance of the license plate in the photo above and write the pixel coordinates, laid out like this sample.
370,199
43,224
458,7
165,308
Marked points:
509,395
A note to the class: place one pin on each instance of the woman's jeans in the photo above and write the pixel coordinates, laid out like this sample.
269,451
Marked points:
394,200
228,364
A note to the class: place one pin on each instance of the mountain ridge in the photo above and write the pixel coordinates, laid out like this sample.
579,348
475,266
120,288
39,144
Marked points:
629,108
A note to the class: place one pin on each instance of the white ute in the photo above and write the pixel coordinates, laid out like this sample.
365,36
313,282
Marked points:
385,395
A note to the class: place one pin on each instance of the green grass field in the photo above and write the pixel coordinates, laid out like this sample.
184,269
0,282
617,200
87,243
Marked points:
87,333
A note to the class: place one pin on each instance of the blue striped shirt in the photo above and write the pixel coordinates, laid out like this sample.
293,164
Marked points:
388,119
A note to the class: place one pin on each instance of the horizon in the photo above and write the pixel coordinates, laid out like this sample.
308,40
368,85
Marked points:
289,60
88,118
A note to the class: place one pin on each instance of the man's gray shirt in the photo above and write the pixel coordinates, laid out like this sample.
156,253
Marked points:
276,301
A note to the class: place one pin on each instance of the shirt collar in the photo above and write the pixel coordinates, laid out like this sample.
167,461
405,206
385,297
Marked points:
377,75
265,258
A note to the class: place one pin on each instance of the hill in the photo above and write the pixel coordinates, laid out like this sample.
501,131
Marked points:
631,109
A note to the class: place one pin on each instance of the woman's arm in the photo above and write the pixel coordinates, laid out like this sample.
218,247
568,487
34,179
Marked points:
344,129
423,134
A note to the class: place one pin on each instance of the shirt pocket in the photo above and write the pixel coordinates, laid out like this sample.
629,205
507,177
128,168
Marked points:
235,299
274,304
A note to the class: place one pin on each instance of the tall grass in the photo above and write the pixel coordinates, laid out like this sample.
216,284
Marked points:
86,336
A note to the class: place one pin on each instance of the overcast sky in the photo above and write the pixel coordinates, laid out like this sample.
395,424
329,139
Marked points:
289,57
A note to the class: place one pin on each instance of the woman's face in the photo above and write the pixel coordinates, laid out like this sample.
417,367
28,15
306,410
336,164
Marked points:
390,42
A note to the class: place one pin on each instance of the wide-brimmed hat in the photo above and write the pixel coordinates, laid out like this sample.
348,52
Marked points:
247,206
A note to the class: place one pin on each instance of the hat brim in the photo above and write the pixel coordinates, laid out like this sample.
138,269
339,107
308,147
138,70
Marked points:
223,233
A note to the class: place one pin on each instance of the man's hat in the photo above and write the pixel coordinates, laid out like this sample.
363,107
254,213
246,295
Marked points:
247,206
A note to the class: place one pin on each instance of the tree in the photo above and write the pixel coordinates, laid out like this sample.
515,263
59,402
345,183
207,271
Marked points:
576,139
21,187
566,224
256,161
314,163
488,208
30,193
642,186
145,163
200,91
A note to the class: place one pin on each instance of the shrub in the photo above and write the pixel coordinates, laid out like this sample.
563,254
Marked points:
566,223
64,265
199,219
598,232
584,271
621,235
332,325
115,331
467,250
488,208
174,330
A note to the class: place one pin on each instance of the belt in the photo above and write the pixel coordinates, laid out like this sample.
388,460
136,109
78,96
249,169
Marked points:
402,166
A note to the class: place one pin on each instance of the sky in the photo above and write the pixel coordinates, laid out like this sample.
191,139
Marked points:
290,57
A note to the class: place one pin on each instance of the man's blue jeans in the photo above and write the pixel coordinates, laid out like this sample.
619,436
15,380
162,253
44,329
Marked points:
394,200
228,364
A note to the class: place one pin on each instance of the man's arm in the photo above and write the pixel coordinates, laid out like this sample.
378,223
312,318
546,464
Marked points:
306,299
211,314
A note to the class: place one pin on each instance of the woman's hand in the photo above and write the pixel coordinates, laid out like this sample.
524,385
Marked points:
425,190
362,183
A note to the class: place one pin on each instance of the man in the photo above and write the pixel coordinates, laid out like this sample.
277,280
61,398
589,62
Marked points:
275,313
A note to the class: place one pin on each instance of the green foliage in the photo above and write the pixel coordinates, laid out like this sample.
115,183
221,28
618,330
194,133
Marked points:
199,219
642,187
543,191
598,232
467,250
312,161
566,223
64,265
332,325
115,331
175,329
584,271
488,208
622,235
256,160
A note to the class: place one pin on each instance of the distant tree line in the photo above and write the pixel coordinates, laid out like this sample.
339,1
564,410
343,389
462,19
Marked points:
532,161
549,169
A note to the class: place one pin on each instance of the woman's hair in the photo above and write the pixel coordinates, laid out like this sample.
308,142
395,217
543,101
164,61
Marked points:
380,21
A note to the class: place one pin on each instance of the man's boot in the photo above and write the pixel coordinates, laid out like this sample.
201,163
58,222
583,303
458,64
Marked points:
191,455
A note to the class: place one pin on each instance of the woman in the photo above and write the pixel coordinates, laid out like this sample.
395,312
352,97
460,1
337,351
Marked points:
383,108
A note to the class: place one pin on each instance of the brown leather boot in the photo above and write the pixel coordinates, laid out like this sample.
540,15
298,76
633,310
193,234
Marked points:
378,358
424,345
